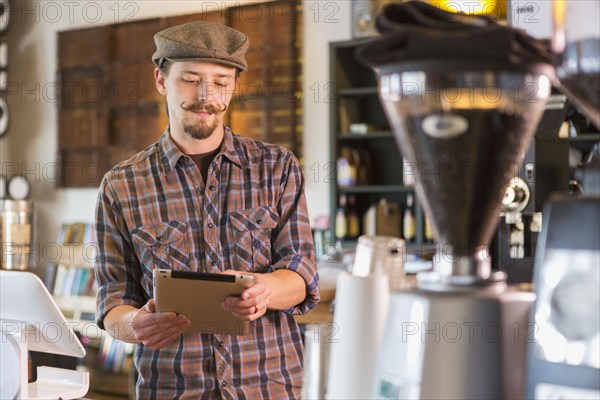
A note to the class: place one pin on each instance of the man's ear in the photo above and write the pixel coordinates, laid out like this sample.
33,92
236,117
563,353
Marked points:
159,79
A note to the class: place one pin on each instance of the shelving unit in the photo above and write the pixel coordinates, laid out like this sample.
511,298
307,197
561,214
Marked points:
356,100
108,361
374,189
584,142
370,136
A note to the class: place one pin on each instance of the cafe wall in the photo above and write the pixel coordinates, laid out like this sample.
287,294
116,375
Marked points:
30,146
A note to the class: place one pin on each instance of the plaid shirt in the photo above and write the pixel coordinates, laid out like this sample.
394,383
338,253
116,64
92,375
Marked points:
154,211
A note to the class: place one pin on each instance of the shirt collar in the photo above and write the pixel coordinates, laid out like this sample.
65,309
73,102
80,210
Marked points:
233,149
230,148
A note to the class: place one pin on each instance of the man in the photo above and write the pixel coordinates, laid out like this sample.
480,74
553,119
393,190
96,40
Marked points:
204,199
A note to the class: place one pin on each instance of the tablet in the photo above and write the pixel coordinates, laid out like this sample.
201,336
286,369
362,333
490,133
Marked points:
198,296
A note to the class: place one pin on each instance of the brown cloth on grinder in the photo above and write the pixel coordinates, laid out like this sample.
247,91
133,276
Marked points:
418,31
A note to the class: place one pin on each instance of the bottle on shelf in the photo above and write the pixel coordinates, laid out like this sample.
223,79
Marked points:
428,232
408,173
409,225
348,166
341,219
353,220
364,167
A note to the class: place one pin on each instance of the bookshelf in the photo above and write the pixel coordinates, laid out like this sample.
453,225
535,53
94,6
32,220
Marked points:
71,280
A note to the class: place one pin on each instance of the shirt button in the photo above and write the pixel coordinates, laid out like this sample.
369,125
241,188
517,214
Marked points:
210,225
223,383
199,188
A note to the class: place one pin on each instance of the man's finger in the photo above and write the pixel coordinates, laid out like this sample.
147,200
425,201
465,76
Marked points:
158,343
252,301
253,290
150,306
154,322
230,272
157,318
152,338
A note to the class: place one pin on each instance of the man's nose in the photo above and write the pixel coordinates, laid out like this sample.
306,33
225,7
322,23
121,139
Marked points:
207,92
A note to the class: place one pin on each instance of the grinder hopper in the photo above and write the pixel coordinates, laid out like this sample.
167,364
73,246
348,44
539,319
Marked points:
465,127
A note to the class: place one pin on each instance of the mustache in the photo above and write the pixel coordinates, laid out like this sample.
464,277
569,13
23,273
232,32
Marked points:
200,106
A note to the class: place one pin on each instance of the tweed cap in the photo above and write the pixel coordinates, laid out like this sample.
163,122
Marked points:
201,41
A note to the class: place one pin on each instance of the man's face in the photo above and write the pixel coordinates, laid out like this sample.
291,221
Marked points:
198,95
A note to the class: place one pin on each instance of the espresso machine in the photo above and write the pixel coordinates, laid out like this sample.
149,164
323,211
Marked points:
564,355
462,332
544,169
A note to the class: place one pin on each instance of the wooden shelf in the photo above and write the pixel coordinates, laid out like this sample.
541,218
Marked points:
351,44
419,248
73,307
321,314
375,189
359,91
77,255
107,383
80,304
589,137
368,136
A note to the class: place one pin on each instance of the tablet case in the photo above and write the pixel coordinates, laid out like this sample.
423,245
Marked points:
199,296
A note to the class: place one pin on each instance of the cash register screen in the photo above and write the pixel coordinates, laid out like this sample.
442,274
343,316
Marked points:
27,307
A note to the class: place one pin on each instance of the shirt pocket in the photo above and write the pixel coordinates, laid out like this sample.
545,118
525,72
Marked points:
251,232
162,245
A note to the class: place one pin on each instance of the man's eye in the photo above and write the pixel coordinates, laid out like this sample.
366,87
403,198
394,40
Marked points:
221,84
189,81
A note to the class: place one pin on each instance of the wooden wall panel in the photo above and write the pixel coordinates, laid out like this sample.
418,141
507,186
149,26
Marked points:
133,42
218,17
82,168
83,47
110,108
138,126
133,84
248,119
83,127
83,87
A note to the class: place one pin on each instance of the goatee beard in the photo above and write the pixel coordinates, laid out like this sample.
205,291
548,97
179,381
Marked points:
203,130
200,131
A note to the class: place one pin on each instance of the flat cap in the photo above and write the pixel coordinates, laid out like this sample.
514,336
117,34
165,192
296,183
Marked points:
201,41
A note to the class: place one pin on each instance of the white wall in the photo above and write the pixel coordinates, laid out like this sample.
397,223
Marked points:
30,147
324,22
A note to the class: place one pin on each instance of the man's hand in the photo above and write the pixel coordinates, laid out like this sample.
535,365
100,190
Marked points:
253,302
156,330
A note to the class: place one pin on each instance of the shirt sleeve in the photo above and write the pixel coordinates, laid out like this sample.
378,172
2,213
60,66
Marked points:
117,269
293,244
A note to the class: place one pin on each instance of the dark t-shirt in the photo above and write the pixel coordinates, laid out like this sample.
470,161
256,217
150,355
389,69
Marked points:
203,161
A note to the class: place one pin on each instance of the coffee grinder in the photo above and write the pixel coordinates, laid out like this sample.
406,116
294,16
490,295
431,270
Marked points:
461,334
